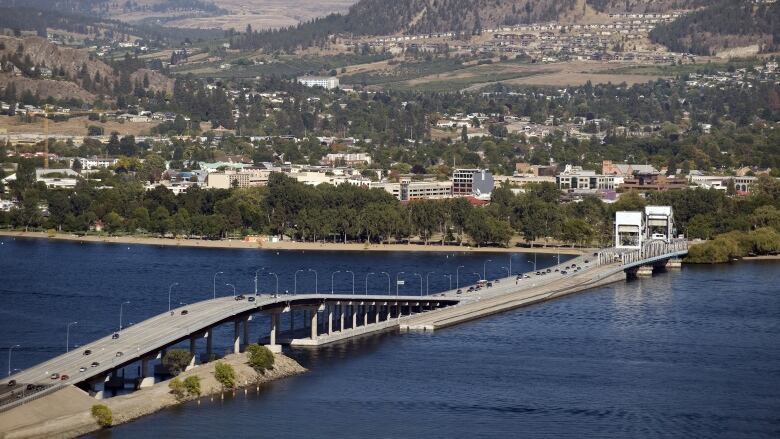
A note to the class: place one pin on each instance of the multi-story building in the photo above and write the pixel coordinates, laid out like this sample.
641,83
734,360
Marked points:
227,179
328,82
653,182
347,159
574,179
407,190
624,169
467,182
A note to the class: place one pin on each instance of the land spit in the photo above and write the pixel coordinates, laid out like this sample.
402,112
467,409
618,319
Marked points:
289,245
66,413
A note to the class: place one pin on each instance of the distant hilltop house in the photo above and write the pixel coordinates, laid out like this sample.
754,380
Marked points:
327,82
625,169
347,159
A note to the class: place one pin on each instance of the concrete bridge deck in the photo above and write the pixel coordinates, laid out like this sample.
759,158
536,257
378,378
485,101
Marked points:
363,314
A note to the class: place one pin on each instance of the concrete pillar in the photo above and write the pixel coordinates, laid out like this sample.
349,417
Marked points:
645,271
313,325
193,352
354,316
388,311
246,331
365,314
673,263
377,311
99,386
272,346
147,376
330,320
209,344
341,316
236,336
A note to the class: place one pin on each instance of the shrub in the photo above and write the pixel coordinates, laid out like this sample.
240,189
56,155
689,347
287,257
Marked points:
225,375
192,385
102,415
260,357
177,388
176,360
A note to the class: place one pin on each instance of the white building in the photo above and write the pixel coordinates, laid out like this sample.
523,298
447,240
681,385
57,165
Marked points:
407,190
328,82
243,178
347,159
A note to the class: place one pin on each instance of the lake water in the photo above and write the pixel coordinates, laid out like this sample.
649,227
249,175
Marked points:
691,353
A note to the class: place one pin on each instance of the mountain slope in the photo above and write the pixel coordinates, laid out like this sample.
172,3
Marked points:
726,25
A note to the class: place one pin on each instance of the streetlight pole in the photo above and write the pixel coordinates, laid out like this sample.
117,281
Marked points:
169,294
9,357
388,281
295,281
214,283
121,306
331,280
428,283
510,264
353,280
420,276
316,282
67,335
396,283
457,276
234,289
450,277
368,274
277,281
257,271
484,269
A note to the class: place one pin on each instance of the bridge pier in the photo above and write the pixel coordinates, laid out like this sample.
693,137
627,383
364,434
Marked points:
365,313
147,376
313,324
674,263
193,353
354,315
645,271
236,336
209,344
330,320
97,387
272,346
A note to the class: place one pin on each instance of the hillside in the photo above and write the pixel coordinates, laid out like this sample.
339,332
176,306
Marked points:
723,27
34,64
466,17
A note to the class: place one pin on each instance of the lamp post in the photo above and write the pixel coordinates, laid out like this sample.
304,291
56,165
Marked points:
428,283
277,281
121,306
421,285
450,278
484,269
257,271
234,289
331,280
396,283
9,357
353,280
67,335
368,274
510,263
388,281
169,294
316,282
295,281
214,283
457,276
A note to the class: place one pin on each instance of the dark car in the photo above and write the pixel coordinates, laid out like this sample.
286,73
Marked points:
549,270
587,261
240,297
564,272
251,298
87,352
538,273
30,387
64,378
115,336
470,289
184,312
11,383
460,291
489,284
119,354
95,364
55,376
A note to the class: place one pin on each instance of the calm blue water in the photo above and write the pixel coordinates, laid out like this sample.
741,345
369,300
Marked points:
684,354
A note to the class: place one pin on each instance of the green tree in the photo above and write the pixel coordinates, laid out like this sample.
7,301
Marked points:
102,415
176,360
192,385
260,357
225,375
177,388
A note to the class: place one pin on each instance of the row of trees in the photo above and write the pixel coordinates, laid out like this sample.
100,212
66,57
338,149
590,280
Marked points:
347,213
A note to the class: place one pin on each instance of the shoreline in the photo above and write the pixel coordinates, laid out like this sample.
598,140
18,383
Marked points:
288,245
66,413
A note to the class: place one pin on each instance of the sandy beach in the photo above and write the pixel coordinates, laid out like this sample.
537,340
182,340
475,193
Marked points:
286,245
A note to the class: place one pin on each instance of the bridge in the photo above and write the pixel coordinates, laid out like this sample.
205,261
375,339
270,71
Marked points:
319,319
